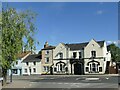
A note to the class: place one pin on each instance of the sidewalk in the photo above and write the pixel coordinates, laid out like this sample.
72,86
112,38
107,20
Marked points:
17,84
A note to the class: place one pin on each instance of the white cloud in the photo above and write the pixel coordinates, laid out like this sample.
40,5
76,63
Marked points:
115,42
99,12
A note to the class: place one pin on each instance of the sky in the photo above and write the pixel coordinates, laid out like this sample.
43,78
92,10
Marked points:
72,22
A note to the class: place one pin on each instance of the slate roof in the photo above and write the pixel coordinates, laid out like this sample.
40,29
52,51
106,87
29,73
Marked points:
79,46
32,58
49,48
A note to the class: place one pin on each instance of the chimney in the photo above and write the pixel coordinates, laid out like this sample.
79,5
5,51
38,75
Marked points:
46,44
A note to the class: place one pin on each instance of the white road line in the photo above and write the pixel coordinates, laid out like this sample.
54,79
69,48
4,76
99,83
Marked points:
88,79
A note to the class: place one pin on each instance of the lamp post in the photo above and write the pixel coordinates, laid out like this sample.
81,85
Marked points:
10,60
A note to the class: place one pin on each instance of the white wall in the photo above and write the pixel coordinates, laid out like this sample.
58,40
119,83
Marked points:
31,65
100,52
61,48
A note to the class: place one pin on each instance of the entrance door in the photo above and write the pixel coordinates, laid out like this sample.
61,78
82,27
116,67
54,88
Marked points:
77,69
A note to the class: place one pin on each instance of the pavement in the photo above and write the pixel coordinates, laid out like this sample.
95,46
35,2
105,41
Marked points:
64,81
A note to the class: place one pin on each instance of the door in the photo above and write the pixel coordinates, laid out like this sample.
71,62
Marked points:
51,70
77,69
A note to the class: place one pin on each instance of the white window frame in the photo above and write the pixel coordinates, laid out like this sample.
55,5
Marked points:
47,61
26,71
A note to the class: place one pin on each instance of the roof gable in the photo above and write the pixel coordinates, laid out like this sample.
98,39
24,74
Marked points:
49,48
33,58
23,54
80,46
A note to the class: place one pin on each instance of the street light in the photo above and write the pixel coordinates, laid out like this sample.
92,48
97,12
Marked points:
10,60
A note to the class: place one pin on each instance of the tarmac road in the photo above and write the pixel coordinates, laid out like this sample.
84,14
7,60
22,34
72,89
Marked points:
65,82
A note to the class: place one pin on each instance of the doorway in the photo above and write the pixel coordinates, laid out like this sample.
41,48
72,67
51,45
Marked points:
78,69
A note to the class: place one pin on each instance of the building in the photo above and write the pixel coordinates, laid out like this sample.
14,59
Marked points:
79,58
17,65
47,58
31,65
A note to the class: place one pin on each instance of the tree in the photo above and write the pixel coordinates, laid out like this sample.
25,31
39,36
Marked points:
115,52
16,27
40,52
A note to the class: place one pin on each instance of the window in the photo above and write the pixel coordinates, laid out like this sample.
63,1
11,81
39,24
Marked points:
100,69
87,69
55,69
94,67
93,45
61,55
34,63
47,52
34,70
46,68
80,55
74,54
61,67
27,63
93,53
66,69
14,71
46,59
25,70
16,62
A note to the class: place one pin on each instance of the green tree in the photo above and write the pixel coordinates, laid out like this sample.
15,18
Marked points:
16,28
115,52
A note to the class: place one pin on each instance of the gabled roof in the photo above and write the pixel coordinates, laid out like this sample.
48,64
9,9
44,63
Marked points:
79,46
49,48
33,58
23,54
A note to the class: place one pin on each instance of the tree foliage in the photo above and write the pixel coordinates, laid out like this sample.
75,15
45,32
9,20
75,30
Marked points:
115,52
16,28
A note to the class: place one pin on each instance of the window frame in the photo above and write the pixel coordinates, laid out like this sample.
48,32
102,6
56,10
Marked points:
34,70
93,54
80,55
47,60
74,54
47,52
34,63
25,70
27,63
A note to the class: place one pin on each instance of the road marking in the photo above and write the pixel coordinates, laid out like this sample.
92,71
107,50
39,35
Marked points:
107,78
90,79
66,83
80,79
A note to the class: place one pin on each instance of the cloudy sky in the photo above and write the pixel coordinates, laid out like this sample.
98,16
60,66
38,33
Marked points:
72,22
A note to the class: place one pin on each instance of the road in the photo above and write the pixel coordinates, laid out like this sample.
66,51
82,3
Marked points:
67,82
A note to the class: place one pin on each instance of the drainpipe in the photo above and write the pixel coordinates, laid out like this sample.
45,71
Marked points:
67,58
